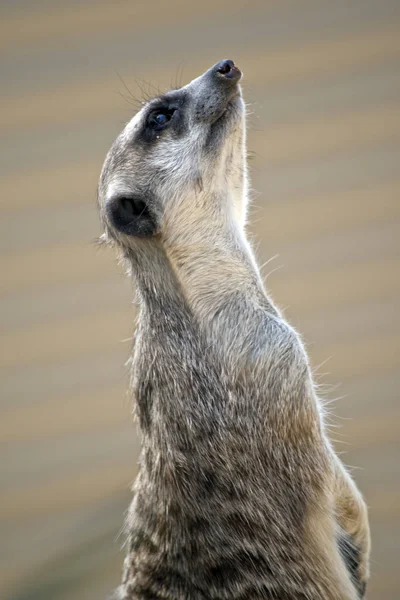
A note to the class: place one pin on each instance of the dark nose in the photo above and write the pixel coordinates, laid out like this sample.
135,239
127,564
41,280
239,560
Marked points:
228,70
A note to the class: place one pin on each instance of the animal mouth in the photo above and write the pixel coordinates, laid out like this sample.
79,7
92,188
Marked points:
230,105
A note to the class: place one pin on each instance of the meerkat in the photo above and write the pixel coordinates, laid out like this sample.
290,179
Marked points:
239,494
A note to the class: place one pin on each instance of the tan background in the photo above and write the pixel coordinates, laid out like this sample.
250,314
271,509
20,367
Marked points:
323,80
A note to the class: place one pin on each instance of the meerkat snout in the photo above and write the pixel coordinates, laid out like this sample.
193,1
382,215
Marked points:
229,70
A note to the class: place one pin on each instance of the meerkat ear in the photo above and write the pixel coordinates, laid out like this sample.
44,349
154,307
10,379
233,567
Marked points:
131,215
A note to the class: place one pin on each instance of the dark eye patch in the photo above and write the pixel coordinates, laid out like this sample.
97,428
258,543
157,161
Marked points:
158,119
165,112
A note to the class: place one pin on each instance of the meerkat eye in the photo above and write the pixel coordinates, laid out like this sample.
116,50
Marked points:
159,119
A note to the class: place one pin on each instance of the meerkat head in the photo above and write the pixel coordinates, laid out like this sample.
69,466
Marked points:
182,152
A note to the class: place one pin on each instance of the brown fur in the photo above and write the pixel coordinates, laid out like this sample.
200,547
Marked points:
239,494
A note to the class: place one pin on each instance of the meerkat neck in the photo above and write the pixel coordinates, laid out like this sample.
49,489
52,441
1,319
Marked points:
211,256
217,273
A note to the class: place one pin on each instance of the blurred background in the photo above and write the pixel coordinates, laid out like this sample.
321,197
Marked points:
323,83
